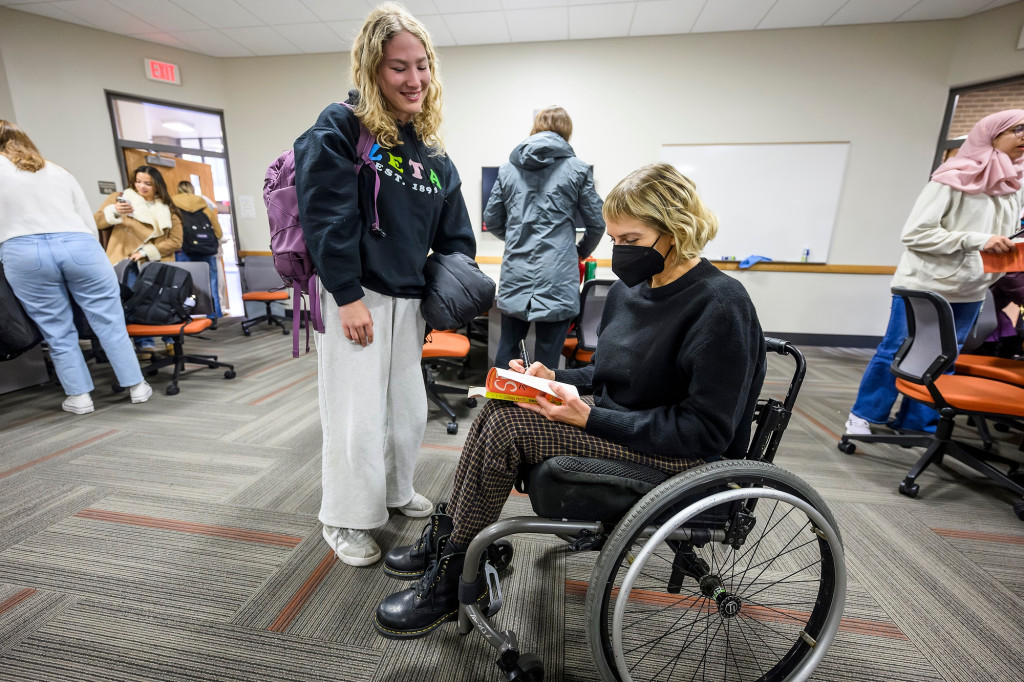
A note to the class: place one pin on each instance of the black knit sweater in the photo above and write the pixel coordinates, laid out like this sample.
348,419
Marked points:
678,368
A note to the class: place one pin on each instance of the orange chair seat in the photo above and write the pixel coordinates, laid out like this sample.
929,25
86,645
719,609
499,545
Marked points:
1000,369
194,327
265,296
446,345
970,394
569,347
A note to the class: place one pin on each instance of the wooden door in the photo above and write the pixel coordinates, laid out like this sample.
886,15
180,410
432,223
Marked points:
182,170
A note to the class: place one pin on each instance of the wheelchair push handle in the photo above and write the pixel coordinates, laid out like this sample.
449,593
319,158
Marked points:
783,347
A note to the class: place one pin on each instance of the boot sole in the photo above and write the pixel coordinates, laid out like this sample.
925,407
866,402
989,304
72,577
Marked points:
391,633
402,575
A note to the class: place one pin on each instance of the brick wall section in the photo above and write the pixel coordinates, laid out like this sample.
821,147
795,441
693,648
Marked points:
974,105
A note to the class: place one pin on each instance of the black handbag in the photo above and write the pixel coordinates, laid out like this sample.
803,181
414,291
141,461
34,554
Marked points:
456,291
18,333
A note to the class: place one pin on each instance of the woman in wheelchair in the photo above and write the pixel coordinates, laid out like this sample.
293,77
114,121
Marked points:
673,385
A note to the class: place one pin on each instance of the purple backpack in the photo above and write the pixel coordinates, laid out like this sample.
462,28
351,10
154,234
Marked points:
287,244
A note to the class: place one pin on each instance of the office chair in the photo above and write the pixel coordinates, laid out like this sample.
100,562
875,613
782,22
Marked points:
444,348
580,350
261,282
202,290
929,350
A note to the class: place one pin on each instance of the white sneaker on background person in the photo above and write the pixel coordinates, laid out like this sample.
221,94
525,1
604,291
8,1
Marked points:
855,426
78,404
352,546
418,507
140,392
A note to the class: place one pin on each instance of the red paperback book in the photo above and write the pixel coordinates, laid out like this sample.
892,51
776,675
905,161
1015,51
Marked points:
1005,262
504,384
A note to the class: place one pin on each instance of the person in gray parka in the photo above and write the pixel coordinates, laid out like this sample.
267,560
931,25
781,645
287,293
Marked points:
533,208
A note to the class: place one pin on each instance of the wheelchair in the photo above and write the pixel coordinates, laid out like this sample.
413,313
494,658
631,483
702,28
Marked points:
733,570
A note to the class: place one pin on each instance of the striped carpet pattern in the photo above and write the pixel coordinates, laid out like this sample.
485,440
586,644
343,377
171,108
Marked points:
178,540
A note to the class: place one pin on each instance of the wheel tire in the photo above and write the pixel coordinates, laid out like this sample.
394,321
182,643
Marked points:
247,332
499,554
453,428
847,447
229,374
530,668
821,600
470,402
909,489
173,390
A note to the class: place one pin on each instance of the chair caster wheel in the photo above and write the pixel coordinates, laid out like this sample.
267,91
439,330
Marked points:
846,446
1018,509
909,489
247,332
471,402
117,388
173,390
284,332
230,374
529,668
1001,427
453,428
499,554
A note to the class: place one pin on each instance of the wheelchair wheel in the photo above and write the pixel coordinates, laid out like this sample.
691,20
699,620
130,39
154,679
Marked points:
730,571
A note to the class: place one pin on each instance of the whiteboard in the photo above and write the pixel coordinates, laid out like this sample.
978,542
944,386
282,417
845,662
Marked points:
774,200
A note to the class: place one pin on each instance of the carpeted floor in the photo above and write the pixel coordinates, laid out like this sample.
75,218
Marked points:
178,540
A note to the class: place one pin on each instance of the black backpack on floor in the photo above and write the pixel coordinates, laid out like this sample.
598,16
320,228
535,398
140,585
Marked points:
198,237
18,333
161,295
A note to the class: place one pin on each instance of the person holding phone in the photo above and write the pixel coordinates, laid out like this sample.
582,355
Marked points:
973,203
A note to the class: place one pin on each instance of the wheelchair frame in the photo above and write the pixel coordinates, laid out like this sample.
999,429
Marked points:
738,485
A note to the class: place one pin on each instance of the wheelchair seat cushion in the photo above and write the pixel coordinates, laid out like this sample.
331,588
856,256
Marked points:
588,489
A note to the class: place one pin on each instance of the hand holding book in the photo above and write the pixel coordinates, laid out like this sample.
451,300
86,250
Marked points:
554,400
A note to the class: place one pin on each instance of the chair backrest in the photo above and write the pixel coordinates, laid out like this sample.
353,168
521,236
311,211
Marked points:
930,346
202,288
988,322
260,274
592,300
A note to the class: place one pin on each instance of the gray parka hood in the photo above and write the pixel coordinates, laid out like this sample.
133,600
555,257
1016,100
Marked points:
539,151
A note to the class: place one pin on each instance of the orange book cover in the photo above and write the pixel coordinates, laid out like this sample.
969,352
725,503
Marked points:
503,384
1005,262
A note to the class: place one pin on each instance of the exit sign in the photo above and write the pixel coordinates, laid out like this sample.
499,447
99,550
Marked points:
165,72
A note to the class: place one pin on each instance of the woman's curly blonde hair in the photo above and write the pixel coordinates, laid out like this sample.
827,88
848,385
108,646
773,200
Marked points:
16,146
665,200
383,24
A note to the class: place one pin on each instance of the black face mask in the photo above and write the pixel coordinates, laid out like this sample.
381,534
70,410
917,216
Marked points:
634,264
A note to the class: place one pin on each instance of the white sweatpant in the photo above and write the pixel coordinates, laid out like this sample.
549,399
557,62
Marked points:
373,409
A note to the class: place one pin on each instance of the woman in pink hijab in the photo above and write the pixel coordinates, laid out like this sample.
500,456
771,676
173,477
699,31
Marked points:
972,204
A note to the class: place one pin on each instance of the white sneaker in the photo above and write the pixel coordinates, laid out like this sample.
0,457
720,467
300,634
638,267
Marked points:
418,507
79,404
140,392
855,426
354,547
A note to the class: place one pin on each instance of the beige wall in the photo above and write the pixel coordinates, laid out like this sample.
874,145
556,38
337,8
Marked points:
883,88
6,103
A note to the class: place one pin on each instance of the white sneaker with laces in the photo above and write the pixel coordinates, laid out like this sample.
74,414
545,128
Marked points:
855,426
140,392
79,404
352,546
418,507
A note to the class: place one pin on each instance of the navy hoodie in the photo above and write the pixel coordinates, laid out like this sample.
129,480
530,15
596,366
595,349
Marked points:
420,207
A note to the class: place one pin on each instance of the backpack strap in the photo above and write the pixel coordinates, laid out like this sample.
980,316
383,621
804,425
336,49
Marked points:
364,147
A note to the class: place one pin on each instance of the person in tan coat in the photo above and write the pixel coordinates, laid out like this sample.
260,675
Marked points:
142,220
143,225
188,201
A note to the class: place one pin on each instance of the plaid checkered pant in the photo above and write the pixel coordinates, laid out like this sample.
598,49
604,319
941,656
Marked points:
502,437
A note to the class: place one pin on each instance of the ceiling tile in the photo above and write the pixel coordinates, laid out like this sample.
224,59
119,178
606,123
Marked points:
466,6
438,30
665,17
533,4
313,38
535,25
7,3
333,10
213,43
870,11
417,7
45,9
262,40
164,39
107,17
165,15
274,12
928,10
576,3
600,21
996,3
221,14
477,28
346,32
795,13
731,15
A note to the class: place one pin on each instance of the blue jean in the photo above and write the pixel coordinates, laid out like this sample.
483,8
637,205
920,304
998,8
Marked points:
878,392
42,270
211,261
550,338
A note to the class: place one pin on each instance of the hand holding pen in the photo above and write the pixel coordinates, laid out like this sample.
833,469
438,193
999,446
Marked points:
525,355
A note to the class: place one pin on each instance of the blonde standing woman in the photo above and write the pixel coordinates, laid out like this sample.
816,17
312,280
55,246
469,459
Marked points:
373,404
51,254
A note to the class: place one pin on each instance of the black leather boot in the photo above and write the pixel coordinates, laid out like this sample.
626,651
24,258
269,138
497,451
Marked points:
410,562
428,604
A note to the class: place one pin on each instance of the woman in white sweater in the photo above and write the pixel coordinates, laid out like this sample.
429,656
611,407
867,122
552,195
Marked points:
50,251
972,204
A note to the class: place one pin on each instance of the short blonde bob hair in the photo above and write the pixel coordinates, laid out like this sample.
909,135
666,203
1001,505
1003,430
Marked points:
384,23
665,200
16,146
554,119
